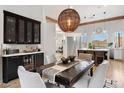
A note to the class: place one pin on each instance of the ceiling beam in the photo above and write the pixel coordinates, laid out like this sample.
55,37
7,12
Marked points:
102,20
90,22
49,19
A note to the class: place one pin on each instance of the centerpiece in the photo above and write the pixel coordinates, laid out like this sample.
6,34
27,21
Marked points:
68,59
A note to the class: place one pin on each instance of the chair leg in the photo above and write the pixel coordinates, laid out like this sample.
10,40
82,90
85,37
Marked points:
58,84
91,72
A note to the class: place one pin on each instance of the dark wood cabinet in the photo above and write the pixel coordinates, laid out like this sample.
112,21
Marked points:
10,66
10,29
20,30
30,62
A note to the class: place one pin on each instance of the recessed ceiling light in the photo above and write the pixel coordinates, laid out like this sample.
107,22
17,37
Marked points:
93,14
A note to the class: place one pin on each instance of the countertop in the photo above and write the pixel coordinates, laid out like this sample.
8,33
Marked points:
20,54
119,48
94,49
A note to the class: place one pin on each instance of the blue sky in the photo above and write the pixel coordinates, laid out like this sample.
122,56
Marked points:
101,37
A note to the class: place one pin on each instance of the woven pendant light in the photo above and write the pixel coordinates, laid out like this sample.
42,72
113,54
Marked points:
68,20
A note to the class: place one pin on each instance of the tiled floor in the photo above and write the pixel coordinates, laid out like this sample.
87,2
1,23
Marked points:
115,72
12,84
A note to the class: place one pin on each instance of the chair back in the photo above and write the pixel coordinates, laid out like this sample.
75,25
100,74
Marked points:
98,79
29,79
51,59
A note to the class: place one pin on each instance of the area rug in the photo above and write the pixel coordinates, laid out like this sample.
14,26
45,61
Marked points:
111,84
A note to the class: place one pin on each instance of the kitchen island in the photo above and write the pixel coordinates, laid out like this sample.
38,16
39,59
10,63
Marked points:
119,54
98,54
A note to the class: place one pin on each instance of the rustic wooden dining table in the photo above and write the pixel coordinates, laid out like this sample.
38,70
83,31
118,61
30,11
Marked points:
69,76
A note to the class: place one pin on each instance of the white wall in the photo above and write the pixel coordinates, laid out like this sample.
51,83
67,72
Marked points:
70,46
110,27
59,38
49,39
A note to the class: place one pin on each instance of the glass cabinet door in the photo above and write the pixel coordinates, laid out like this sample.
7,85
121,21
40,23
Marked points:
36,33
10,29
29,32
21,31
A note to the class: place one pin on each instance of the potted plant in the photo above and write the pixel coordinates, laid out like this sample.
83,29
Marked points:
90,45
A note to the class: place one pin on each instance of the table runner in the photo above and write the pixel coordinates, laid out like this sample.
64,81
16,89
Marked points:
51,72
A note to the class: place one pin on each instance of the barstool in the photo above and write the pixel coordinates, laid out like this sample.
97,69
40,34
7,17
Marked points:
92,53
99,57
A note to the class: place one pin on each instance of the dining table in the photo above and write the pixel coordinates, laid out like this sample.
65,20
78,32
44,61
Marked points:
67,74
70,76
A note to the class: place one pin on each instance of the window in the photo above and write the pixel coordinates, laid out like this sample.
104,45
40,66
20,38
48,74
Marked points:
100,40
118,39
84,40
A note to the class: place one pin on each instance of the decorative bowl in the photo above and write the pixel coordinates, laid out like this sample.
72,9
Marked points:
72,58
65,60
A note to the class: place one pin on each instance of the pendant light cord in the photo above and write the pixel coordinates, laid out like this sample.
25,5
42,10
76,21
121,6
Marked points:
104,20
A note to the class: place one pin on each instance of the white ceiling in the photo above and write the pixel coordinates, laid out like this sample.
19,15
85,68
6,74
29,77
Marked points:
86,10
